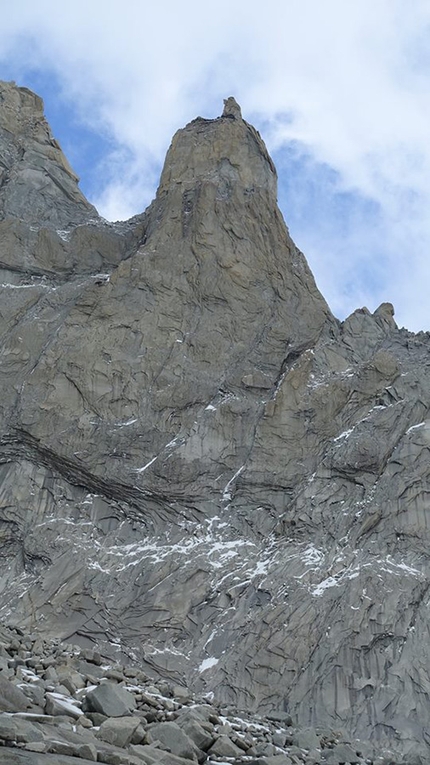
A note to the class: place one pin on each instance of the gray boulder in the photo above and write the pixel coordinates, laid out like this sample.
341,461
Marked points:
172,737
12,699
224,747
56,704
201,737
341,754
118,730
110,700
147,753
150,754
23,757
62,747
87,752
35,693
307,738
8,729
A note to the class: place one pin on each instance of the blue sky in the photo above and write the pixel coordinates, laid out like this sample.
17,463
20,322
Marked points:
340,91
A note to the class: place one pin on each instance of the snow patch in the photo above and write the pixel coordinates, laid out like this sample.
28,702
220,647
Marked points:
402,566
414,427
261,568
27,286
325,585
226,495
345,434
98,567
29,676
334,581
145,467
312,555
63,234
208,663
210,638
102,277
387,565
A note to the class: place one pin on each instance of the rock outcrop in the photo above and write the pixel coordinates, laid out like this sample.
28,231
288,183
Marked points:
201,469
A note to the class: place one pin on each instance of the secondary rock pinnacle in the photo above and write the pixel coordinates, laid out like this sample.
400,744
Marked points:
37,184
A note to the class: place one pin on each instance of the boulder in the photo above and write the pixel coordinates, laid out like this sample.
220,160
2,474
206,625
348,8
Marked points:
224,747
110,700
12,699
181,693
35,693
70,678
8,729
87,752
118,730
341,754
202,739
57,704
147,753
62,747
150,754
39,756
36,746
307,738
172,738
280,717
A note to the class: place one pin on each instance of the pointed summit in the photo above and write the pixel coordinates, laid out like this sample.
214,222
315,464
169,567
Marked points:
226,151
217,201
217,284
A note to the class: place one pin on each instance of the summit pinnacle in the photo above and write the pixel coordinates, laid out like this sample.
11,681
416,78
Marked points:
231,108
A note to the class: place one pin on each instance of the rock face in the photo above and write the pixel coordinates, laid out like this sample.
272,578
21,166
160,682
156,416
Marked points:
200,467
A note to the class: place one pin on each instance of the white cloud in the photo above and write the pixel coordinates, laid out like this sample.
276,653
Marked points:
347,81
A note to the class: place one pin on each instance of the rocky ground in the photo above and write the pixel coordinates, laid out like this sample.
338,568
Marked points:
59,702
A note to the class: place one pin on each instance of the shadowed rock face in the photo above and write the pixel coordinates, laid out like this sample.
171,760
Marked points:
200,466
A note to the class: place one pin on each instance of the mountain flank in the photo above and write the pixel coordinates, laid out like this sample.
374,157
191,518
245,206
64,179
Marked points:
205,475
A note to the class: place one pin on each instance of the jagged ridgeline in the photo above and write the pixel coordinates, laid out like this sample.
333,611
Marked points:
201,468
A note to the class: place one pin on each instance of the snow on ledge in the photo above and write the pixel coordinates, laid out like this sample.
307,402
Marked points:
414,427
345,434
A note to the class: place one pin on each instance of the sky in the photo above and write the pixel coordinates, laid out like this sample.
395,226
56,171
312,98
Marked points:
339,90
